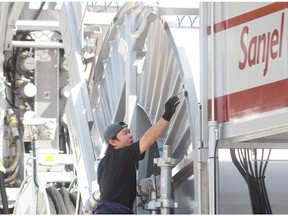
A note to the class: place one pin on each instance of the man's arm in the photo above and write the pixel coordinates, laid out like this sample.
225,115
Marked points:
154,132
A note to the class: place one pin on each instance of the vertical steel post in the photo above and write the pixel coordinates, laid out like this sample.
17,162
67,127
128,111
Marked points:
35,156
213,168
213,131
203,142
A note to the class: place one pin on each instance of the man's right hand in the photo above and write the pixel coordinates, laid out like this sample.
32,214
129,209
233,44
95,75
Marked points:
170,107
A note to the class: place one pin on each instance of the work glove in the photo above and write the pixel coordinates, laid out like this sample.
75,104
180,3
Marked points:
90,204
170,107
87,208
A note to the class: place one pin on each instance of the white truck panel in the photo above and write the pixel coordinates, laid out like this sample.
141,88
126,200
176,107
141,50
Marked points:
257,63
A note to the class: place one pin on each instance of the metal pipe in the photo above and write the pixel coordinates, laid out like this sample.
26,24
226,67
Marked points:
165,190
212,63
166,162
2,103
199,181
45,45
37,25
153,199
3,24
204,78
198,170
34,156
78,202
213,130
213,168
202,191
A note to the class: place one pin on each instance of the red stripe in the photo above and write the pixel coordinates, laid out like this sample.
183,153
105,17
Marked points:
246,17
245,103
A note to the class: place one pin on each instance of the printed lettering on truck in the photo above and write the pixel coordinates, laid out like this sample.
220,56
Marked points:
251,62
261,47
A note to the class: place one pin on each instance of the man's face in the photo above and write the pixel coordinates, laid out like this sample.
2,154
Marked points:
123,138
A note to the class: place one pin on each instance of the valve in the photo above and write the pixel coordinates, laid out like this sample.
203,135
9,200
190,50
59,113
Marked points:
156,190
166,162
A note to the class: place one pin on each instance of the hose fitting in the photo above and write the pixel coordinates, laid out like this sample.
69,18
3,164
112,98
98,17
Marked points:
13,123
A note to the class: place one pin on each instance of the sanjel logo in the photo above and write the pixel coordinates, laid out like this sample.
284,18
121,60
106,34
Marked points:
261,47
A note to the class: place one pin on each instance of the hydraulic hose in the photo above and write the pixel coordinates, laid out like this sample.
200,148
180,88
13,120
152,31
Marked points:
12,176
17,156
3,191
13,169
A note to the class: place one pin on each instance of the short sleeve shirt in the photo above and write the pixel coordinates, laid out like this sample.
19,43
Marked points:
117,174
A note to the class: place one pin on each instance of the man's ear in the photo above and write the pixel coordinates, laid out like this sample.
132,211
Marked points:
112,142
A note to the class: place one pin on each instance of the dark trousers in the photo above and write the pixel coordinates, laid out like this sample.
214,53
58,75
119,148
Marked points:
109,207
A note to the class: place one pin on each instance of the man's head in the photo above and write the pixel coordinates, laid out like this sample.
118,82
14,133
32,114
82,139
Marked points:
118,135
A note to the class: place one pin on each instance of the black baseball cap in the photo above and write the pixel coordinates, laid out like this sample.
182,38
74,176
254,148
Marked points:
112,130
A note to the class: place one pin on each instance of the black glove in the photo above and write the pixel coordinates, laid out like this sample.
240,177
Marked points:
170,107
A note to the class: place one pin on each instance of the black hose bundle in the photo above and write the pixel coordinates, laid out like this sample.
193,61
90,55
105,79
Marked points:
3,193
57,200
60,201
253,173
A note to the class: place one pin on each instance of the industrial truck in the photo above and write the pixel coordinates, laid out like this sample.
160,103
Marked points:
69,69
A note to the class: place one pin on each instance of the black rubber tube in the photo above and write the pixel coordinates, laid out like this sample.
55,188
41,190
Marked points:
57,200
73,198
51,204
3,194
70,207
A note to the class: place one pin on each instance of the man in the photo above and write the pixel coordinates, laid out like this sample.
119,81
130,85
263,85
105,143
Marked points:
117,169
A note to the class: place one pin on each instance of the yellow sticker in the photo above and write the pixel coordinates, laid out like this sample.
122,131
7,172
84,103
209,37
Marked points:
50,158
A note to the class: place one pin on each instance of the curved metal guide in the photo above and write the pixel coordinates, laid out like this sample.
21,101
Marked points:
145,58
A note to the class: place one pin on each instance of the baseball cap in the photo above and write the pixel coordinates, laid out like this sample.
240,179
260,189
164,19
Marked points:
112,130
